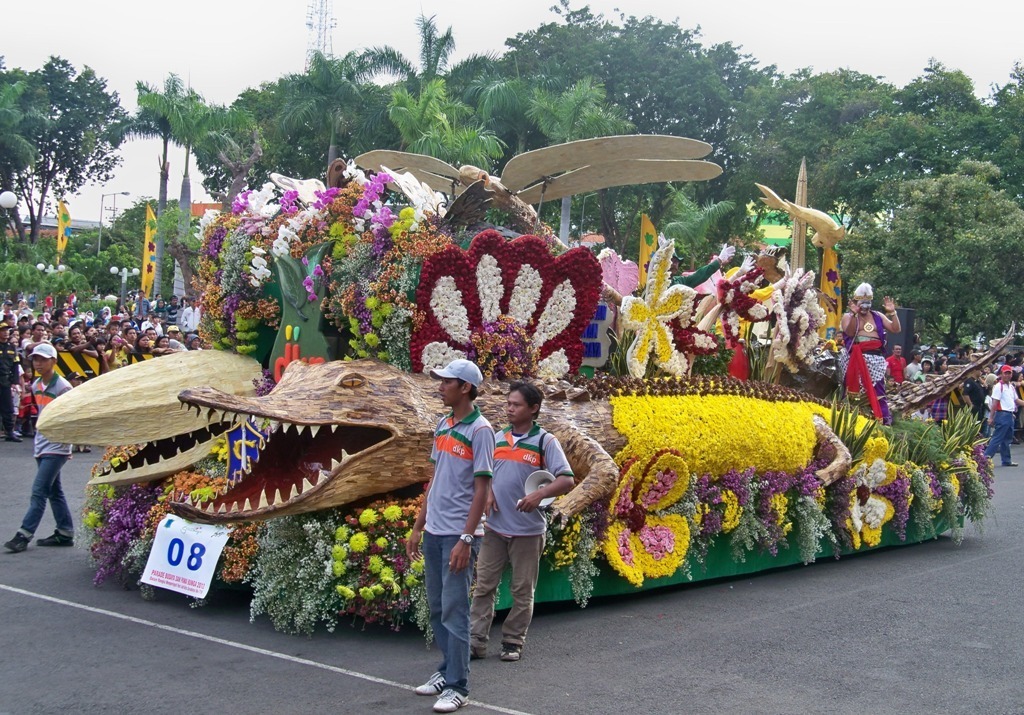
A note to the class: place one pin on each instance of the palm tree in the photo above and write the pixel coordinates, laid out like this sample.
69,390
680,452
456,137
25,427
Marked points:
150,123
580,112
17,152
326,96
432,123
687,223
435,51
191,121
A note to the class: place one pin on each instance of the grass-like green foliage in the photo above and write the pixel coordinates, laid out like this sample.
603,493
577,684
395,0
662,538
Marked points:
960,432
915,441
843,421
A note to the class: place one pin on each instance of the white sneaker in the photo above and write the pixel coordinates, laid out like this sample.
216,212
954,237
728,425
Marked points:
434,686
450,701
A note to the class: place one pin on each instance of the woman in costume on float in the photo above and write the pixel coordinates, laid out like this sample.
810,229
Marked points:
862,364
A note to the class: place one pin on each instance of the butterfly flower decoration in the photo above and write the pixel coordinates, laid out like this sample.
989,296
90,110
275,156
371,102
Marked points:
651,318
462,291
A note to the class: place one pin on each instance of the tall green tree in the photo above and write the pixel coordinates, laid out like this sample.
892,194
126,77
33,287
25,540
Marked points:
192,121
153,121
580,112
946,250
432,123
326,97
76,127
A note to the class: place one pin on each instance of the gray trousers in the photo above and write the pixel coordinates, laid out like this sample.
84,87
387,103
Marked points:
496,551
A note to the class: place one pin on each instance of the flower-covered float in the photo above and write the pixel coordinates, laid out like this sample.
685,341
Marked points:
327,305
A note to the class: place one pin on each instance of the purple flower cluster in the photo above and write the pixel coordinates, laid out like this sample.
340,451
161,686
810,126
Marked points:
290,202
898,492
312,282
324,198
124,520
985,470
264,384
381,222
362,313
231,304
240,204
216,242
371,192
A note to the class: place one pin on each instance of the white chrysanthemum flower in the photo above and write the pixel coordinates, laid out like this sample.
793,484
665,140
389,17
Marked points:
437,355
489,287
525,294
557,314
449,309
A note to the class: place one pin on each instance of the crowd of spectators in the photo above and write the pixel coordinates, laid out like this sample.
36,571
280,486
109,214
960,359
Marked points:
137,330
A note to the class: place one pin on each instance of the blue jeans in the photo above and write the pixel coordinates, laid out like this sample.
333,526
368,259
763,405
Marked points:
1002,434
448,596
47,486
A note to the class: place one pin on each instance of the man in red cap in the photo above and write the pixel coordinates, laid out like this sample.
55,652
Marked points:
1004,406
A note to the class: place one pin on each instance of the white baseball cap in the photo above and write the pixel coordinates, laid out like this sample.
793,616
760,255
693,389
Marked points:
44,350
460,369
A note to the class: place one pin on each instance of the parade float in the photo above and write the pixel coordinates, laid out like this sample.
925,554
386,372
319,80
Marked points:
306,432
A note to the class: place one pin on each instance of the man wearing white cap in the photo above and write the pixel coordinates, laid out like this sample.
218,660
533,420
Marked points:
1001,420
50,458
462,455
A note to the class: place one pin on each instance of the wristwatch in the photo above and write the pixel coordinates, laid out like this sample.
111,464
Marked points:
466,539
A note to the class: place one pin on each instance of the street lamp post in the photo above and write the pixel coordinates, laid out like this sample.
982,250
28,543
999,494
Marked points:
124,272
99,241
8,200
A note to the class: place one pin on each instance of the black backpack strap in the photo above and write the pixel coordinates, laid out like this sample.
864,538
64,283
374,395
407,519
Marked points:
543,434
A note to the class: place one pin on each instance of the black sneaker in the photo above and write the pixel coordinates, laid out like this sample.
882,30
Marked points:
511,652
18,544
12,438
56,539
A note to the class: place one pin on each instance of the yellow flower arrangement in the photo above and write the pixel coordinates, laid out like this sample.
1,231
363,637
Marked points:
368,518
733,510
780,504
650,318
359,542
716,433
876,448
656,550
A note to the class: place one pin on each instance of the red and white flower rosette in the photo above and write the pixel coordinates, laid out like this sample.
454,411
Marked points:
553,298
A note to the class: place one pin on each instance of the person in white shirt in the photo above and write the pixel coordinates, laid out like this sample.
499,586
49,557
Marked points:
1001,420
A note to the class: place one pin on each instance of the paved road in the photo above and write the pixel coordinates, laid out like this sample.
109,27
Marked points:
931,628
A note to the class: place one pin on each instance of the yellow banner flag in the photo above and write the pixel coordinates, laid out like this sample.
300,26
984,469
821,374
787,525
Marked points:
831,287
63,229
149,253
648,245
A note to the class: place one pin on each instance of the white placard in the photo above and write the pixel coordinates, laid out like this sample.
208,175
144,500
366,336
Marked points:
184,556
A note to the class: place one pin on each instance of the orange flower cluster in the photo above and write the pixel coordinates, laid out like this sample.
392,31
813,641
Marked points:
239,553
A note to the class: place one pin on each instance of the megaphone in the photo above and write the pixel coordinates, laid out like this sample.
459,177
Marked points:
538,480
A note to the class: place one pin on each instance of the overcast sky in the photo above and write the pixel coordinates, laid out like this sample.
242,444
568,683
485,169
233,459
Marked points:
224,46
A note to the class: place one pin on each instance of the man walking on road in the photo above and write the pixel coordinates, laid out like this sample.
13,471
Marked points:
462,454
1001,420
50,458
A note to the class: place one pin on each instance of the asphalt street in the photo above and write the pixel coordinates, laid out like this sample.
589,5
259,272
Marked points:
930,628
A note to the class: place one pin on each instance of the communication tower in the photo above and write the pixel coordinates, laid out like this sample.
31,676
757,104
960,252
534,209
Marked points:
320,22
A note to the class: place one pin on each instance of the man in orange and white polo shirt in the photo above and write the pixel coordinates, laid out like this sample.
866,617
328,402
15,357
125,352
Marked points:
515,528
463,456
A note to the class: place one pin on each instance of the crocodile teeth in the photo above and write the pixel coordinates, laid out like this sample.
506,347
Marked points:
263,500
234,507
293,493
306,485
223,508
335,464
248,506
278,499
209,508
334,428
313,429
324,474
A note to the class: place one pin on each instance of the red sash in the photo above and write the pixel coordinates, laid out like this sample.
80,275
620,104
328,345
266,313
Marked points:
857,373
